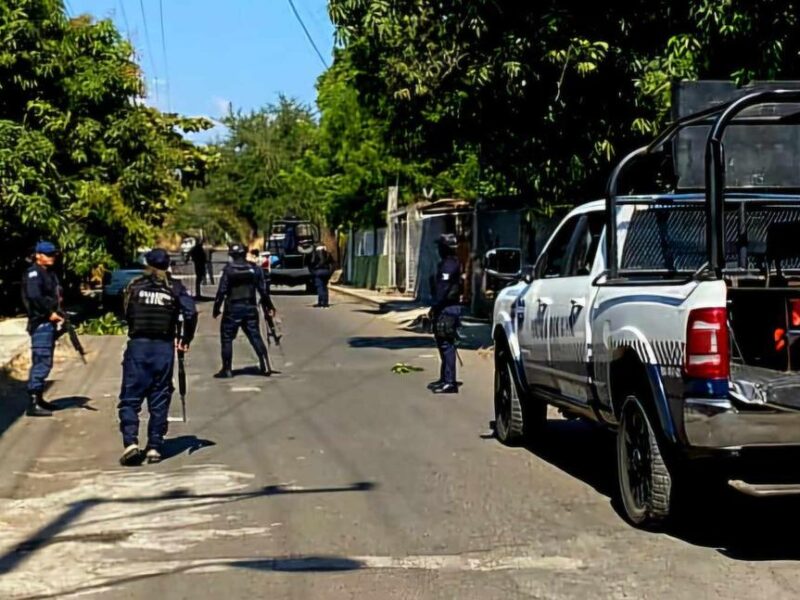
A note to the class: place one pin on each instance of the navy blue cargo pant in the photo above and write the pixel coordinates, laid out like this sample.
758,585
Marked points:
43,343
321,277
236,315
146,374
445,335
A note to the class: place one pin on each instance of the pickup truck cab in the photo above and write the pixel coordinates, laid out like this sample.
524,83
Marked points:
670,318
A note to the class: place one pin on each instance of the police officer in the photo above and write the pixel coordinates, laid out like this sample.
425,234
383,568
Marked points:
321,267
238,285
198,256
155,305
446,312
41,294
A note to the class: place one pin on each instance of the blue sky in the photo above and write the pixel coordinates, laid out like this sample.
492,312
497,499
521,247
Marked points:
243,52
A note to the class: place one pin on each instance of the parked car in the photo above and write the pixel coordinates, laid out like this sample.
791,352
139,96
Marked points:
115,283
681,333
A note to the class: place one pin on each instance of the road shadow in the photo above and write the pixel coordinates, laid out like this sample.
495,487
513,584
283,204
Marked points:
282,291
393,343
288,564
708,512
252,371
13,401
178,445
70,402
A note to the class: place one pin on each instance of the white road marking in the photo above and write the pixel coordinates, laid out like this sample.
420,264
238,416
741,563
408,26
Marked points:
245,389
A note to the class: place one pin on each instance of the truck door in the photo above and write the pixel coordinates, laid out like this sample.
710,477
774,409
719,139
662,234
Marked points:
568,313
535,319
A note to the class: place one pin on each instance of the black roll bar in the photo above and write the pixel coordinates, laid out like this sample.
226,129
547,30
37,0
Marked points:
719,117
715,169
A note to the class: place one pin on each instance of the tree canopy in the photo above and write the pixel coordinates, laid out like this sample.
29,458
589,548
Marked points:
548,93
83,161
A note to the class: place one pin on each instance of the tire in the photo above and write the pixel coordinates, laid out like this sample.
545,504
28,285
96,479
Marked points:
311,288
519,417
645,483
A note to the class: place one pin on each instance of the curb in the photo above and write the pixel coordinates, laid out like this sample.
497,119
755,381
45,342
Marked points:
14,342
382,302
358,295
5,366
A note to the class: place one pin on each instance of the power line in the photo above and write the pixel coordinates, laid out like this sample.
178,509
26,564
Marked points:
308,35
125,18
164,50
149,50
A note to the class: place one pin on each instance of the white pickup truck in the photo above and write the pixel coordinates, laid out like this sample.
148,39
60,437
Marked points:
671,318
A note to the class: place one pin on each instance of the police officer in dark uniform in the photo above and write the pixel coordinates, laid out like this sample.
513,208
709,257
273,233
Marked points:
238,285
41,294
161,317
446,312
321,268
200,260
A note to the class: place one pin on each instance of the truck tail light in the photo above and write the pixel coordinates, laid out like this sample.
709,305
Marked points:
707,353
794,305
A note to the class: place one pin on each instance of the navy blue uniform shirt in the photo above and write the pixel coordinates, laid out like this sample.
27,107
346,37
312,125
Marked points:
41,294
447,287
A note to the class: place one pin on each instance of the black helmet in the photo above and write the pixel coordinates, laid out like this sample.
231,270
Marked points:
237,250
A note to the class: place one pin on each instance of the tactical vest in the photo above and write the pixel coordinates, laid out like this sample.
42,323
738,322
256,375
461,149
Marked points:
242,279
152,309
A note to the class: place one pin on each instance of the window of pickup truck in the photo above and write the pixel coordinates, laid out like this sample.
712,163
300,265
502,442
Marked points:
573,248
673,239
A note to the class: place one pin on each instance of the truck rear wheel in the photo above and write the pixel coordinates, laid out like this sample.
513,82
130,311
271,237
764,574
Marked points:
645,483
518,418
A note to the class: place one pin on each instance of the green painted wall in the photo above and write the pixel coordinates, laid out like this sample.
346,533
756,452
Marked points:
370,272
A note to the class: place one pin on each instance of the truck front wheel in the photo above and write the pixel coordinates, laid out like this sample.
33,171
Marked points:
645,483
518,417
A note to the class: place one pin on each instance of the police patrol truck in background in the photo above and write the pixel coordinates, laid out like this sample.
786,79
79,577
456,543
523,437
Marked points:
671,318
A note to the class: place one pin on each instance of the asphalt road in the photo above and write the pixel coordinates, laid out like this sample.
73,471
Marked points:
339,479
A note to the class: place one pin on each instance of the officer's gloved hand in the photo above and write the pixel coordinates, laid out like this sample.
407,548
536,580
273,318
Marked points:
215,312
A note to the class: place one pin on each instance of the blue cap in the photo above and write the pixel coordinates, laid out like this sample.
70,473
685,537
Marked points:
45,247
158,259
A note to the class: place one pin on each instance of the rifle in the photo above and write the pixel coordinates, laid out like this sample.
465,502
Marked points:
272,332
182,382
68,328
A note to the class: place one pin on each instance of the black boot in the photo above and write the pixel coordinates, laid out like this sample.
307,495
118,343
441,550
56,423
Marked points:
34,409
263,366
224,373
445,388
42,403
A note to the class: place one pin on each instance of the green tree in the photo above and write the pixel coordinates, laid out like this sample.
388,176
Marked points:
82,160
546,94
258,148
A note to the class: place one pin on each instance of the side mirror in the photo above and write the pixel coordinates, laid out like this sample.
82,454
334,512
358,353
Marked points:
490,262
527,274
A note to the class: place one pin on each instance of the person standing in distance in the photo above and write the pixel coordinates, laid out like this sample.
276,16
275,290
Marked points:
154,305
238,285
198,256
446,313
321,268
41,295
